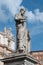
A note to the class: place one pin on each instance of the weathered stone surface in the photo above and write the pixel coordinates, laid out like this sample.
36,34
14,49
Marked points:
20,31
21,63
21,59
23,37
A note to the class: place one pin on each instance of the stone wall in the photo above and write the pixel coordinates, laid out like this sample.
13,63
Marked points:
25,62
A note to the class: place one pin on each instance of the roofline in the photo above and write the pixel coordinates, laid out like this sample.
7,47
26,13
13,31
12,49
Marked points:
37,51
19,56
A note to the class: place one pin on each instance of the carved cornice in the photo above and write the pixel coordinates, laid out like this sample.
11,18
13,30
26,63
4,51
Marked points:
22,56
7,36
5,46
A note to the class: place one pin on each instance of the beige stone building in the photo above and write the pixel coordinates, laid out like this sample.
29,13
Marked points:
38,55
6,43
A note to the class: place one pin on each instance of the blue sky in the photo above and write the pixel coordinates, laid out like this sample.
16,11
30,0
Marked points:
34,13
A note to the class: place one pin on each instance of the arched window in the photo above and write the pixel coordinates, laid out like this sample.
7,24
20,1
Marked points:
8,42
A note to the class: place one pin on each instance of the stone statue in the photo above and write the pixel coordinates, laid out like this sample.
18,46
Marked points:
20,19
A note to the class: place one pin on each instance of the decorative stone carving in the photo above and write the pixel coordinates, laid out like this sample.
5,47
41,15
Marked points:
22,33
20,21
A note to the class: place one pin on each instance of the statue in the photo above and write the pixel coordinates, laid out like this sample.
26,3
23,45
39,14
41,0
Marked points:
21,30
20,18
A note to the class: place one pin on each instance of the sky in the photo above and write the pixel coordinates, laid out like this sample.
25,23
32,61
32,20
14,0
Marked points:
34,22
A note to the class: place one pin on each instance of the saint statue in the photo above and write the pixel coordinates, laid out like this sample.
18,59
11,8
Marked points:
20,19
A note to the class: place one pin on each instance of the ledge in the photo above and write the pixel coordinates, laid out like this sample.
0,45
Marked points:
19,57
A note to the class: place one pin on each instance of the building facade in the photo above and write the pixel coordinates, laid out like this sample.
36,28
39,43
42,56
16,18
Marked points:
7,38
38,55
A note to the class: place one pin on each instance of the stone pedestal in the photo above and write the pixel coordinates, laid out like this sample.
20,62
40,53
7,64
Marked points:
20,59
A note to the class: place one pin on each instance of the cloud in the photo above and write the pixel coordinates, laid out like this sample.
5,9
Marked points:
10,6
13,6
34,17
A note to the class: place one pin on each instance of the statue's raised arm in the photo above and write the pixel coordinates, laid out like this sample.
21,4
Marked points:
20,16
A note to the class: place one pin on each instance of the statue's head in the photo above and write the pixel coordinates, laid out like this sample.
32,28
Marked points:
22,11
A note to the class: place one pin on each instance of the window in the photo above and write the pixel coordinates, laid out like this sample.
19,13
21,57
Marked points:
8,42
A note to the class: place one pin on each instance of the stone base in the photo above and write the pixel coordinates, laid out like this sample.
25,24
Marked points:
20,59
